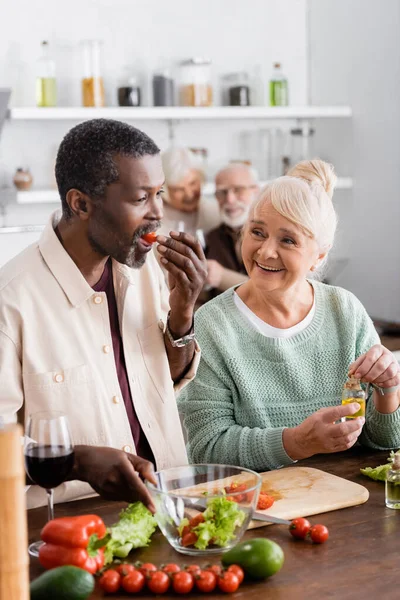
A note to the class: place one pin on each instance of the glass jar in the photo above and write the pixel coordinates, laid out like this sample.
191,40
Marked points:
195,82
163,88
46,85
236,89
130,95
92,81
353,392
301,144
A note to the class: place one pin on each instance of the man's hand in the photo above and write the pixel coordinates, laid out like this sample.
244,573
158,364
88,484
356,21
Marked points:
182,256
214,275
114,474
320,434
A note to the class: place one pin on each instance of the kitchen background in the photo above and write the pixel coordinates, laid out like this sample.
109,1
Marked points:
333,53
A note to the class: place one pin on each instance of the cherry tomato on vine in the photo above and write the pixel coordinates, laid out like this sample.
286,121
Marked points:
125,569
171,568
206,581
110,581
319,534
182,582
299,528
193,569
158,582
133,582
217,569
147,568
238,572
150,238
228,582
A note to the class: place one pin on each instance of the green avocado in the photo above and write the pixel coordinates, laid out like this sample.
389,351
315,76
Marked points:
63,583
259,558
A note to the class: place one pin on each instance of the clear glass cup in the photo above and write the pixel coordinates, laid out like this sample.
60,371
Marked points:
49,456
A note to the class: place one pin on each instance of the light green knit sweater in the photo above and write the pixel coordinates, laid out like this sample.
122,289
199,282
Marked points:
249,387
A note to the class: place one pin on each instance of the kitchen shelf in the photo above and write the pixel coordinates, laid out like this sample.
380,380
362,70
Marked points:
51,196
177,113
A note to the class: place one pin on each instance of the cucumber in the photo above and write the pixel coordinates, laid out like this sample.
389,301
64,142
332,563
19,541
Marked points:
63,583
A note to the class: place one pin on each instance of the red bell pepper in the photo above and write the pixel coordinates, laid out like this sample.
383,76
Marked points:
77,541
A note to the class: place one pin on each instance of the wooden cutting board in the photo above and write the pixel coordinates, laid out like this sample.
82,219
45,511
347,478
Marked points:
303,491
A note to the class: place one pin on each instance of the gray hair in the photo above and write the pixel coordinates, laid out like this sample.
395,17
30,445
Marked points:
177,162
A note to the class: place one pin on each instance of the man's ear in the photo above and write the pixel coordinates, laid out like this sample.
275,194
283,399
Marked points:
80,204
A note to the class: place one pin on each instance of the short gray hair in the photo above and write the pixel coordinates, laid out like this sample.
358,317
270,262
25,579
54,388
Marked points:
177,162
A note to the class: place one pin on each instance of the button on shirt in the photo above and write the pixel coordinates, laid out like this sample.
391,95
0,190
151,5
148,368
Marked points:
105,284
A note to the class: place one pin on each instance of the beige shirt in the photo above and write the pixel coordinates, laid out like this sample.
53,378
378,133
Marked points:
56,353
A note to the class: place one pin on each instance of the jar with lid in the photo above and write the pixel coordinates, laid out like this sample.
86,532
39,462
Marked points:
353,392
130,95
163,87
46,85
301,144
195,82
392,484
23,179
92,81
236,89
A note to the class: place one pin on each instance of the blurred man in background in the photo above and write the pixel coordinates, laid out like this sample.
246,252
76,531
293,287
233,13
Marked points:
236,187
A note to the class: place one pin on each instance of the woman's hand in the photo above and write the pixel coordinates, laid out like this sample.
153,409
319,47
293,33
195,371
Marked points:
320,434
214,273
378,366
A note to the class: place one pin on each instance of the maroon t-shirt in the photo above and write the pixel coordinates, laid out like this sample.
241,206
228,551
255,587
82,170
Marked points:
105,284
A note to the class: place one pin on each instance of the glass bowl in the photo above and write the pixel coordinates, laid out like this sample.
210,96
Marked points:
204,509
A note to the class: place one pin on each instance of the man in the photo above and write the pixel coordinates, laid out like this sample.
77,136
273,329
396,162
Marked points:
84,321
236,188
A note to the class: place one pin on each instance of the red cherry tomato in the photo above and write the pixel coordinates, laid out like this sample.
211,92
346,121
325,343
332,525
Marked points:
216,569
228,582
238,572
110,581
150,238
134,582
189,539
264,501
147,568
194,569
299,528
158,582
206,581
182,582
196,521
319,534
125,569
171,568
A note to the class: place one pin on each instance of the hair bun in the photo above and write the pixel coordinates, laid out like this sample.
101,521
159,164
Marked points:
316,172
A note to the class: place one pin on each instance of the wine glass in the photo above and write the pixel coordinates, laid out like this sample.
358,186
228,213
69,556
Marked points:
49,456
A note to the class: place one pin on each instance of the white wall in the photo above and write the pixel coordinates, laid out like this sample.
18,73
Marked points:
137,35
355,59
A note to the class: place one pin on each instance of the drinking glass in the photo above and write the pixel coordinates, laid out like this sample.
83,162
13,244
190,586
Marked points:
49,456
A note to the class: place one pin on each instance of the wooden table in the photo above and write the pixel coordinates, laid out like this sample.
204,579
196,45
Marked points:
359,561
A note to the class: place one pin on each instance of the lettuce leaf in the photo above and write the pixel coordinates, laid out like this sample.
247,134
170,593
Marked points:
134,529
379,473
221,518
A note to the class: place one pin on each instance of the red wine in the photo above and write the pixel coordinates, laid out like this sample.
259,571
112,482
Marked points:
48,466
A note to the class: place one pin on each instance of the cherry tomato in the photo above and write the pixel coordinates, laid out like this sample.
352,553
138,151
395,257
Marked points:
171,568
264,501
206,581
319,534
238,572
193,569
299,528
189,539
150,238
228,582
182,582
158,582
216,569
237,487
196,521
110,581
147,568
133,582
125,569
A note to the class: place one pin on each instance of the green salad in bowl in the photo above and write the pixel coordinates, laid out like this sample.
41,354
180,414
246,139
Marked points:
204,509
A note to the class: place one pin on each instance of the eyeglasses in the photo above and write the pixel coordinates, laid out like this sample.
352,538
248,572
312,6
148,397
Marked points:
238,190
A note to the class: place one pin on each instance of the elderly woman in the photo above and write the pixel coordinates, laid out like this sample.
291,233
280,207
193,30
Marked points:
184,209
276,350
